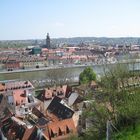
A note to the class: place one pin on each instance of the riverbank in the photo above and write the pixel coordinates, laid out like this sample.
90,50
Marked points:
70,66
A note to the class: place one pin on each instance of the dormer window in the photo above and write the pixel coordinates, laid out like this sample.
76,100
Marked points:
3,84
17,103
67,130
53,94
26,82
26,109
1,89
59,93
55,134
59,132
52,134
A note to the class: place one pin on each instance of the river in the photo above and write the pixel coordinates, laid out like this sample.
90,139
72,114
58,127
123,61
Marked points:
59,73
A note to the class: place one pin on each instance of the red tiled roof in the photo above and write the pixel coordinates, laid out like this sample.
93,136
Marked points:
61,90
2,87
52,117
28,133
66,127
15,85
19,96
45,49
54,57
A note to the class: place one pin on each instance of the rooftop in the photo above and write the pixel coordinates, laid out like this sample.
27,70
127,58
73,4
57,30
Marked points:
15,85
59,110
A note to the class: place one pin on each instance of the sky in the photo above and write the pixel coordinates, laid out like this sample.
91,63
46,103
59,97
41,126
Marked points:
33,19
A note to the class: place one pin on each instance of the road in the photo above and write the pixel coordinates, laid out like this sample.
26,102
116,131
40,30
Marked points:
64,66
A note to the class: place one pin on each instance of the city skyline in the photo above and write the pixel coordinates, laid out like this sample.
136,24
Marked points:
33,19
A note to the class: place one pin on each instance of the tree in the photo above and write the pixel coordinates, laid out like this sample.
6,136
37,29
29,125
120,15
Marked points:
87,76
56,76
117,100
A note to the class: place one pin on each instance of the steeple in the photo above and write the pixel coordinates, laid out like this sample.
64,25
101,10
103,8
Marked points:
48,45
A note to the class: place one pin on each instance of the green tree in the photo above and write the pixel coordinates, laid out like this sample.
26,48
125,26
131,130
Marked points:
117,100
87,76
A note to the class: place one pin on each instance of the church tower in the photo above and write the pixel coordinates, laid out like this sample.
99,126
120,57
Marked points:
48,42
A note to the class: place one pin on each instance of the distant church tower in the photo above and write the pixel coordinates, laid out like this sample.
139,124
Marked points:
48,42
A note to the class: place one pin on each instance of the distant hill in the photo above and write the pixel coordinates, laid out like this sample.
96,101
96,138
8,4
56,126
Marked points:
99,40
78,40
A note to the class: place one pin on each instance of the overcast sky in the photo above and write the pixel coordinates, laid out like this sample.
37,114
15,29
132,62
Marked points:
32,19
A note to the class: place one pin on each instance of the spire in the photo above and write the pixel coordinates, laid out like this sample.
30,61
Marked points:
48,41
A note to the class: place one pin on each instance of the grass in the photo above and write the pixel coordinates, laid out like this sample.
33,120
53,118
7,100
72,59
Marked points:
129,134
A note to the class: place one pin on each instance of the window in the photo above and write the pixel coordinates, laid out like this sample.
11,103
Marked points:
52,134
67,130
59,132
26,109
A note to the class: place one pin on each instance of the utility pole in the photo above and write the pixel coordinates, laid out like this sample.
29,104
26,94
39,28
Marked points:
108,128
